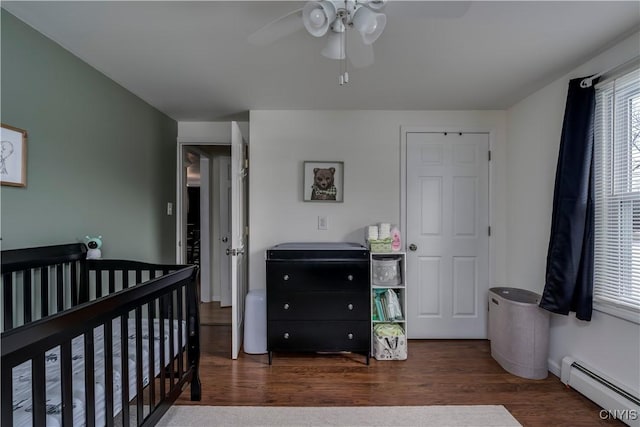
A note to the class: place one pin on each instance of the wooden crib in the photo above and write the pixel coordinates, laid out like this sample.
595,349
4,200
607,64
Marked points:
95,342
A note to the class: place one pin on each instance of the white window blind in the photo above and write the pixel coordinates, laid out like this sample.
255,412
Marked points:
617,194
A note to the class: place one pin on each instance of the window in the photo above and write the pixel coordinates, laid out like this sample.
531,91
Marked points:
617,196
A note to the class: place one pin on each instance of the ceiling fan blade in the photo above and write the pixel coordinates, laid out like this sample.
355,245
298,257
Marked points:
277,29
360,54
427,9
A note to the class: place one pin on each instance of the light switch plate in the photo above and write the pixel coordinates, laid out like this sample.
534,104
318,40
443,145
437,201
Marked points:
322,223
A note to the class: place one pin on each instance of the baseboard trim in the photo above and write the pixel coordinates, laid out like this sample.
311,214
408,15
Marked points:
554,368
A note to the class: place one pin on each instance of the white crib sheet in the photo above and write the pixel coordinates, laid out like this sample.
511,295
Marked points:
22,404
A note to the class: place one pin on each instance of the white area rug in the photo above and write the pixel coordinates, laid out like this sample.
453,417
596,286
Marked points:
440,416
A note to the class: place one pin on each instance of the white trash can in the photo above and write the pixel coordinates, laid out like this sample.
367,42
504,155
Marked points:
255,322
519,332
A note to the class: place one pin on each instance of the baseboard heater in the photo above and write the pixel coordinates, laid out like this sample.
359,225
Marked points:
615,401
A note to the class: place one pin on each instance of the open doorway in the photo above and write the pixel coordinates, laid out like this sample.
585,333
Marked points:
206,225
222,249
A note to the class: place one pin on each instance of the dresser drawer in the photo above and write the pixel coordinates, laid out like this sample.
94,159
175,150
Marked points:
318,335
318,306
317,275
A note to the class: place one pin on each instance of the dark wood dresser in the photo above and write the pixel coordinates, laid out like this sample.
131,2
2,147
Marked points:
318,298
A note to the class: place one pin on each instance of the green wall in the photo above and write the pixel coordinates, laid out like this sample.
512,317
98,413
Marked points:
100,159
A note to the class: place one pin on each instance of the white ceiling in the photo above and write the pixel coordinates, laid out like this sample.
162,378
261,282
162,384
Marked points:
192,60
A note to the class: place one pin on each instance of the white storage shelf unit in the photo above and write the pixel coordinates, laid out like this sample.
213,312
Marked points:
388,271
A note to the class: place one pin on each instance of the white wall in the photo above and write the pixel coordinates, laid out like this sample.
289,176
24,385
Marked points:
368,142
609,344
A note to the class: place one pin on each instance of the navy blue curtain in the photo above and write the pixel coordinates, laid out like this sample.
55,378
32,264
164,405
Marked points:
569,275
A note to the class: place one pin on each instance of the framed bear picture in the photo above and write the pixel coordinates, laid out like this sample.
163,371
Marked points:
323,181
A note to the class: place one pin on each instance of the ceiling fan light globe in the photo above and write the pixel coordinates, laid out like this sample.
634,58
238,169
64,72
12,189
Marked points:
369,23
317,16
333,49
377,4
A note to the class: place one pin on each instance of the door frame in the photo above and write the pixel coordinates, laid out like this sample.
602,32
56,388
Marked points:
180,194
403,181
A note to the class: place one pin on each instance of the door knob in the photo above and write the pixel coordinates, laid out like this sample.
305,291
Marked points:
413,247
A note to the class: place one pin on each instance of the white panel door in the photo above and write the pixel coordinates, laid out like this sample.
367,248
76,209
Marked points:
447,234
238,238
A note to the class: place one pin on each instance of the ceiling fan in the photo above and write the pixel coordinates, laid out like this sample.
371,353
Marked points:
338,18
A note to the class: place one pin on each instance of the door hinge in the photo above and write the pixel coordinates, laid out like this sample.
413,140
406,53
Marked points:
489,230
246,230
489,155
246,163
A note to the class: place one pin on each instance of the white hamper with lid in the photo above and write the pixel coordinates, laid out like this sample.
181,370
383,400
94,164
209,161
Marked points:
519,332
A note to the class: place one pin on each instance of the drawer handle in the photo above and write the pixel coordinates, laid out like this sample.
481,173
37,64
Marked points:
286,335
350,306
350,277
350,336
286,277
286,306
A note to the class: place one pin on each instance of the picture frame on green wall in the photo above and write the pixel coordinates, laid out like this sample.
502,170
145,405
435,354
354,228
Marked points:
13,157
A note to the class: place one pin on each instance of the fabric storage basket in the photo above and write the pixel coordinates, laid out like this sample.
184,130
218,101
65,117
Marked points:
389,342
386,271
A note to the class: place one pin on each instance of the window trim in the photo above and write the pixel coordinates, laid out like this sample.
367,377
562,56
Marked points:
616,311
604,305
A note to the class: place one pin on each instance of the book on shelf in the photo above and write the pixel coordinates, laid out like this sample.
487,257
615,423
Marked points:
386,306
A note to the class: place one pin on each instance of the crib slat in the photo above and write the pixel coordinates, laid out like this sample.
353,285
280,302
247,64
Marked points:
67,383
180,343
112,281
74,285
44,291
98,283
89,380
6,391
26,303
8,302
124,360
139,373
38,387
172,350
84,282
108,372
151,307
138,276
60,286
163,358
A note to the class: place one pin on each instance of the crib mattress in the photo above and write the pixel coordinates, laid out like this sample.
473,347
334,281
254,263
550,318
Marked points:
22,401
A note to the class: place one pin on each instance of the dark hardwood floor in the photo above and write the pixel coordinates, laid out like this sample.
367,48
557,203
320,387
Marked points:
437,372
